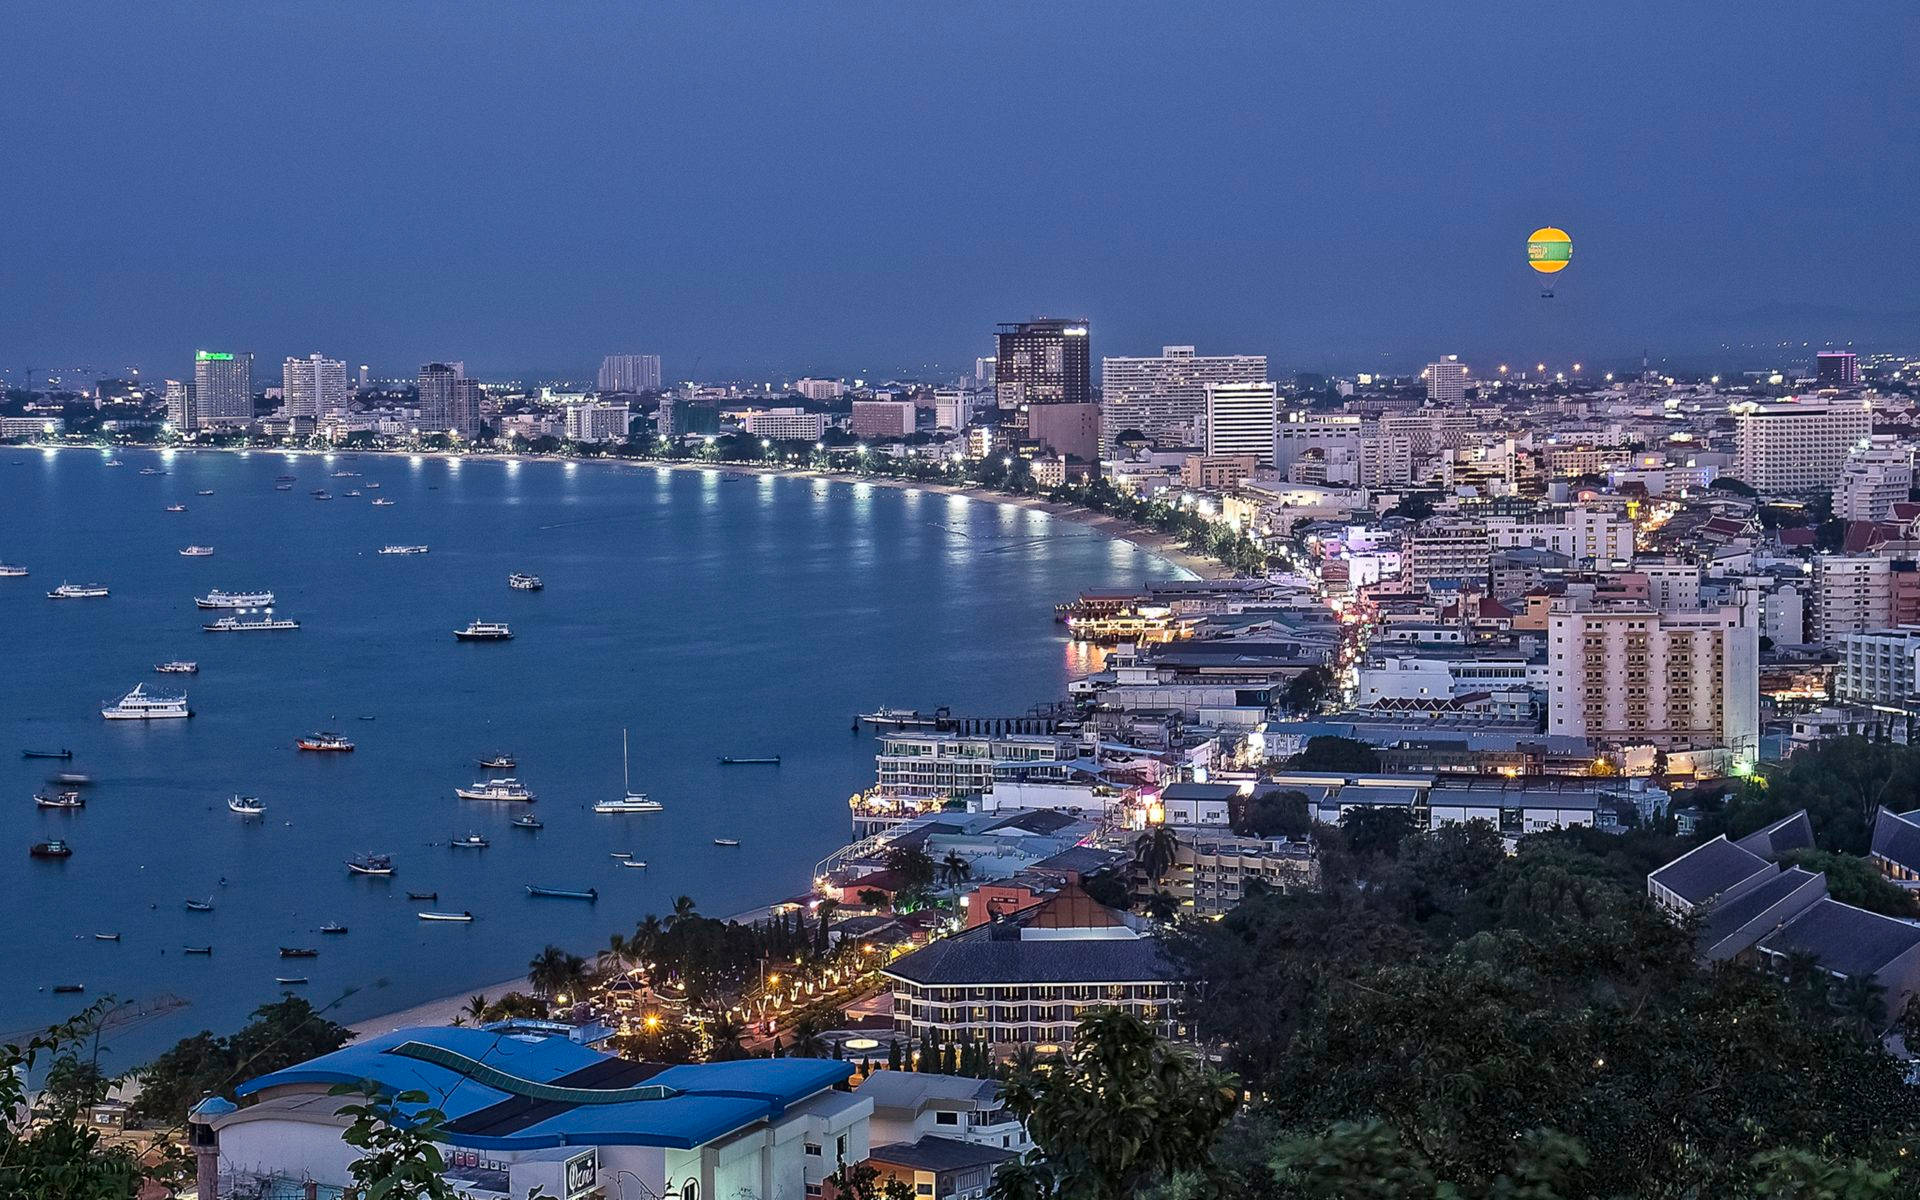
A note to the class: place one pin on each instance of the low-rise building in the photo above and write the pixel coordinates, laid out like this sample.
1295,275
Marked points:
940,1168
910,1105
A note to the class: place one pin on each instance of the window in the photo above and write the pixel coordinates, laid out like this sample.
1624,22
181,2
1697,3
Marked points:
839,1146
813,1149
923,1189
946,1118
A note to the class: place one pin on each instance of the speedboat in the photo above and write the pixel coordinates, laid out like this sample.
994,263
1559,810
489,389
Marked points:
726,841
770,760
589,894
289,980
529,821
371,864
403,549
196,949
639,863
299,952
472,841
176,508
246,806
507,788
106,937
382,502
484,631
333,927
204,492
423,895
200,905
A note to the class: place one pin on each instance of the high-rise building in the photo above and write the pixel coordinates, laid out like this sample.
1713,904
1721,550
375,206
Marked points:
449,402
1165,398
1446,380
882,418
1242,419
598,422
1877,475
1797,445
181,411
984,370
1044,361
820,391
1069,429
630,373
1836,368
1677,681
223,387
366,377
784,424
314,386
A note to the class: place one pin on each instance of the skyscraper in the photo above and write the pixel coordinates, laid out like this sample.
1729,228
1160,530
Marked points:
314,387
1446,381
1836,368
1045,361
223,387
181,413
1241,419
449,402
1165,398
630,373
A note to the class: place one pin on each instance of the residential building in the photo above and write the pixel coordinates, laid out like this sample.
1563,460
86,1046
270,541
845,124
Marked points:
683,418
820,391
1877,475
182,413
1447,381
784,424
1216,472
1242,418
939,1168
1797,445
910,1105
525,1110
1880,667
1446,549
1165,398
449,401
1587,534
1044,361
952,411
594,423
1835,369
314,387
882,418
1851,593
1071,429
223,388
630,373
1302,432
1676,681
1212,868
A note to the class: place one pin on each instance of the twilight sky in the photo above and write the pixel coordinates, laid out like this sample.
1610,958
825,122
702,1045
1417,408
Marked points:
769,188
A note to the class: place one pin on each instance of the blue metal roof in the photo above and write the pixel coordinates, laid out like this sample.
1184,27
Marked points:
528,1093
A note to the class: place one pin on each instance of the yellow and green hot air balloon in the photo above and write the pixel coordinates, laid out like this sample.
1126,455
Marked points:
1549,250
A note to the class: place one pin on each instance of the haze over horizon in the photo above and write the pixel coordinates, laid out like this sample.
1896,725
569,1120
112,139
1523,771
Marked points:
758,188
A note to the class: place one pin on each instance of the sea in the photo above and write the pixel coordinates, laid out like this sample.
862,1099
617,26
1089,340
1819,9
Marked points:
705,612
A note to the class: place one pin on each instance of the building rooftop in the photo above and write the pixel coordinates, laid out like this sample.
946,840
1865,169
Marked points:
1789,833
995,954
913,1090
1707,870
932,1153
1724,920
1896,837
1846,940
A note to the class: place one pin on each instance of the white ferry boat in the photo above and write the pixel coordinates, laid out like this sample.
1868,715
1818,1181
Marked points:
78,591
12,571
403,549
137,705
484,631
265,622
508,788
524,583
177,667
196,551
219,599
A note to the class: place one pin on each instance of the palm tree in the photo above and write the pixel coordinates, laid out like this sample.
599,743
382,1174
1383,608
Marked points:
555,972
477,1008
1154,851
647,934
725,1034
807,1042
683,910
619,954
955,869
1161,906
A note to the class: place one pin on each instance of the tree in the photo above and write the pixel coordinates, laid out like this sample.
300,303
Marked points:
1123,1110
861,1181
73,1085
955,869
683,910
398,1140
1376,830
913,865
1155,851
1108,888
1853,881
1727,483
281,1034
1273,813
1336,754
59,1155
1306,691
555,972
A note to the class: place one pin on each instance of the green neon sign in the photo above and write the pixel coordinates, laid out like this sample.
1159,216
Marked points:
211,356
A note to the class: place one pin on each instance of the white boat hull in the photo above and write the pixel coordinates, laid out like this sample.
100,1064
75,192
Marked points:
110,715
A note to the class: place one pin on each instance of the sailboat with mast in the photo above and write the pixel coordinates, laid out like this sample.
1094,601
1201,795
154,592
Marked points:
632,802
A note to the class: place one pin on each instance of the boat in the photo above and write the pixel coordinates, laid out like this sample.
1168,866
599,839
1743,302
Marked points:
371,864
106,937
50,849
282,487
196,949
632,801
59,800
68,989
325,742
524,583
151,471
204,492
619,854
382,502
472,841
219,599
177,667
176,508
484,631
423,895
726,841
346,474
265,622
373,485
195,551
445,916
71,779
506,788
640,863
333,927
137,705
62,753
403,549
771,760
323,495
12,571
289,980
78,591
353,494
529,821
901,718
299,952
590,895
499,762
285,478
246,806
200,905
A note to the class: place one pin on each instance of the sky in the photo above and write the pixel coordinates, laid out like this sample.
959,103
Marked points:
865,189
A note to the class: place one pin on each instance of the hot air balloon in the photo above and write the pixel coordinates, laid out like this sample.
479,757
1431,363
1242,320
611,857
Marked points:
1549,250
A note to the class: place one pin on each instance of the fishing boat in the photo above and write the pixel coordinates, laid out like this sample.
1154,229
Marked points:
204,492
333,927
266,622
246,806
373,485
381,502
137,705
196,949
282,487
726,841
770,760
472,841
423,895
289,980
106,937
299,952
353,495
59,800
631,801
200,905
219,599
322,494
639,863
507,788
445,916
78,591
176,508
179,666
484,631
499,762
529,821
50,849
195,551
325,742
619,854
12,571
589,895
524,583
62,753
68,989
371,864
403,549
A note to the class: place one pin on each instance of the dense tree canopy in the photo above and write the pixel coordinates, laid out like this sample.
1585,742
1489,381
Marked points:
281,1034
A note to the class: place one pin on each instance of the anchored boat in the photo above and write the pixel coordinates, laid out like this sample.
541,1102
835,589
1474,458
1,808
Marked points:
137,705
507,788
325,742
589,895
445,916
484,631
